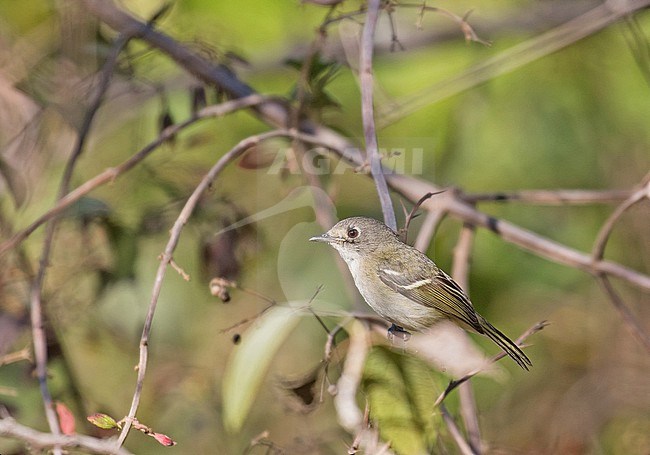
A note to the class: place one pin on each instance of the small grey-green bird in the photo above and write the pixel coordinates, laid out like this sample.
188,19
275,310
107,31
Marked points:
404,286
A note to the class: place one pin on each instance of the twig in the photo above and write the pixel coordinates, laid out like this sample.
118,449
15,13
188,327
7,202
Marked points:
455,432
428,229
367,111
460,273
468,31
453,384
550,197
166,258
626,314
414,210
345,402
24,354
179,270
11,429
643,192
394,40
598,252
462,255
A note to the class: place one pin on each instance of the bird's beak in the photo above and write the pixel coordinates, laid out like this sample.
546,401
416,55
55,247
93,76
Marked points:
325,238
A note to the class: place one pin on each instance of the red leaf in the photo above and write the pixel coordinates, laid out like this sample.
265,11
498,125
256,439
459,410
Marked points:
163,439
66,419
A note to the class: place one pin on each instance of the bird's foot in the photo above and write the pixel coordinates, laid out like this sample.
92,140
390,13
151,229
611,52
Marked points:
399,331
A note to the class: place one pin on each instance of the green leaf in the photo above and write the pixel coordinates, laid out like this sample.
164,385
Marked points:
103,421
250,360
401,390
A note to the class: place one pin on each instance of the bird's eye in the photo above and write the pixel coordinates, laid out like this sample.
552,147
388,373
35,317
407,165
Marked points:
353,233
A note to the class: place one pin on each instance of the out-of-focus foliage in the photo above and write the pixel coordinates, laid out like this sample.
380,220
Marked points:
401,390
574,119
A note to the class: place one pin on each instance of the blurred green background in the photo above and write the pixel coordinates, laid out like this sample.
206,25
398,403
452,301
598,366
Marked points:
575,119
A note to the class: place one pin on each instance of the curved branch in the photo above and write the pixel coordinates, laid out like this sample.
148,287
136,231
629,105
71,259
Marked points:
167,256
598,250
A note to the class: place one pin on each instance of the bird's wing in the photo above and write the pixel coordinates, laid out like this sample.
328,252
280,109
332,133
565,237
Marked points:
432,288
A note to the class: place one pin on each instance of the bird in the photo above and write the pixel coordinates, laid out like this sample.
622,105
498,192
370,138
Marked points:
404,286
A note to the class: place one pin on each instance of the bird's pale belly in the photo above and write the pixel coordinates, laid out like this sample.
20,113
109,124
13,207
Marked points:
400,310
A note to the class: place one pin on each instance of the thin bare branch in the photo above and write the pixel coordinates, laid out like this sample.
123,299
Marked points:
550,197
9,428
345,401
468,31
366,81
431,221
455,432
18,356
631,321
598,251
166,258
460,273
462,256
413,212
643,192
271,110
454,384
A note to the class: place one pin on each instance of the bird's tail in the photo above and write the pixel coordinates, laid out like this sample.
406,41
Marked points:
505,343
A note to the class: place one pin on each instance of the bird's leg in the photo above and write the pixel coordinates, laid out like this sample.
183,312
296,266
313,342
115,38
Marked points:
394,329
